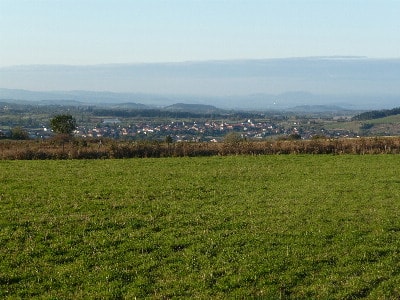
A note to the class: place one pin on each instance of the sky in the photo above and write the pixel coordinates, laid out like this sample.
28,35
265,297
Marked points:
87,32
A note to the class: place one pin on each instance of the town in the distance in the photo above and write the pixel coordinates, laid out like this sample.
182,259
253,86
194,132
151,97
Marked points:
193,122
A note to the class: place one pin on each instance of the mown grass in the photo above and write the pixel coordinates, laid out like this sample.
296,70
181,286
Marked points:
272,227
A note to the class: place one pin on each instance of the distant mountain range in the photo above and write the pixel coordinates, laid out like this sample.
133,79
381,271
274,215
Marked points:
295,101
349,82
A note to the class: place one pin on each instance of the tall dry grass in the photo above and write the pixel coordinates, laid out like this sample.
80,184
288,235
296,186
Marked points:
92,149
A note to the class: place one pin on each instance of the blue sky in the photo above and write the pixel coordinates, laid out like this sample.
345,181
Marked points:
85,32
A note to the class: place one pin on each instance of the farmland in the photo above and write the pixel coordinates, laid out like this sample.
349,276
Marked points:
273,227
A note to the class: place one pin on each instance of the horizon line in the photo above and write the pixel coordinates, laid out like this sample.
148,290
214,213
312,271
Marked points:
328,57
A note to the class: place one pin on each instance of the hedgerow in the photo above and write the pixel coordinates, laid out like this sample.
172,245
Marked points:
92,149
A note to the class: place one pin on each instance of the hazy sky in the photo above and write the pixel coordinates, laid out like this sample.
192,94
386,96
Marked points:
81,32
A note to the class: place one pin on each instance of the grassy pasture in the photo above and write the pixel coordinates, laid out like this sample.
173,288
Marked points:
272,227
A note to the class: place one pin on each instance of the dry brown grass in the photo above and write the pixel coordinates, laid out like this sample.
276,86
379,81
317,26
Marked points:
91,149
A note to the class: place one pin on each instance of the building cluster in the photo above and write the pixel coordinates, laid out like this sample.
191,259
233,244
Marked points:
192,130
202,131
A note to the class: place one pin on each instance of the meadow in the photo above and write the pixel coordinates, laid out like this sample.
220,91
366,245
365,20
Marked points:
222,227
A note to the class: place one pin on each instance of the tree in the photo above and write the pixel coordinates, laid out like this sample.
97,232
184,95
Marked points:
233,138
18,133
63,124
294,136
168,139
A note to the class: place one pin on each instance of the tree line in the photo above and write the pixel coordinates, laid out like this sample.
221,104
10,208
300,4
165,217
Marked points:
377,114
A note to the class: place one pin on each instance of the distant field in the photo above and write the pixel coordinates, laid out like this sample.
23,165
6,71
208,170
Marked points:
274,227
383,126
353,126
387,120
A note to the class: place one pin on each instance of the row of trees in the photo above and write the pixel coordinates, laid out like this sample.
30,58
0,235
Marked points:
16,133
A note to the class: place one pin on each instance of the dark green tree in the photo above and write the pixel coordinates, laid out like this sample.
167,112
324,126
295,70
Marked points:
294,136
63,124
18,133
168,139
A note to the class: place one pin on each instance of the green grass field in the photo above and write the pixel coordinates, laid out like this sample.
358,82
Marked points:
270,227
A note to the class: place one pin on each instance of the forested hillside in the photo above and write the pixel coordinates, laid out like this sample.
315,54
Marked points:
376,114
